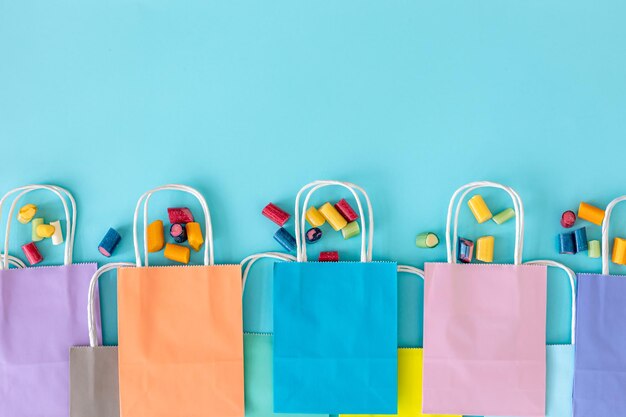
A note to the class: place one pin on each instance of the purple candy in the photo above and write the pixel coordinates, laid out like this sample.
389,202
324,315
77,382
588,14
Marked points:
313,235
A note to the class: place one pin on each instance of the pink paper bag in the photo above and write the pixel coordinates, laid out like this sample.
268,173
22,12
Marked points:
485,332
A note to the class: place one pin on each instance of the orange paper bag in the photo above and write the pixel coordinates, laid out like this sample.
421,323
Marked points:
180,336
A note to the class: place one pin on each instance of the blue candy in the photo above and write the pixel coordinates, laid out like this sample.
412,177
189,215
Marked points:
580,236
109,242
287,241
566,243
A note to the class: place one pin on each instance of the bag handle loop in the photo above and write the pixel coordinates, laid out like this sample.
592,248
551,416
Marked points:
605,233
250,260
366,248
91,313
62,193
451,244
145,198
572,282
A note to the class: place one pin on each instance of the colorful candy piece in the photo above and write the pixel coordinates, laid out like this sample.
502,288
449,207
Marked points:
178,232
328,256
619,251
594,249
26,213
426,240
590,213
275,214
287,241
351,230
179,215
109,242
484,248
36,222
177,253
314,217
344,208
194,236
45,230
465,251
156,238
32,253
333,217
504,216
479,208
580,236
313,235
566,243
568,218
57,237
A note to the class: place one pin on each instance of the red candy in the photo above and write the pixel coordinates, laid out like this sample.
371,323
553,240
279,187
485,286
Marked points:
568,219
32,253
330,256
276,214
346,210
180,215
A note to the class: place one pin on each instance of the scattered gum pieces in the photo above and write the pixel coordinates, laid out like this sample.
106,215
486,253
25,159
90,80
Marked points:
314,217
333,217
156,239
484,248
177,253
590,213
426,240
594,249
568,218
57,237
619,251
45,230
504,216
26,213
194,236
36,222
351,230
32,253
479,209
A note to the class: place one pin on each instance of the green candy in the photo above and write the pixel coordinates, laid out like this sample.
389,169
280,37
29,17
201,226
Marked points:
594,250
504,216
426,240
351,230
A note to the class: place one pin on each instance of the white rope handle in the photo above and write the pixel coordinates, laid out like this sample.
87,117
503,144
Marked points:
208,248
366,248
70,223
250,260
91,314
451,244
572,282
411,270
605,233
15,261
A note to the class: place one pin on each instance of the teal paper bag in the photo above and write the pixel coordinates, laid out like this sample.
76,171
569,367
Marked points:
258,377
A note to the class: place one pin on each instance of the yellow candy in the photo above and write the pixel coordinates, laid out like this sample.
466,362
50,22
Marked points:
484,250
314,217
45,230
177,253
194,235
26,213
479,209
333,217
619,251
155,236
590,213
35,223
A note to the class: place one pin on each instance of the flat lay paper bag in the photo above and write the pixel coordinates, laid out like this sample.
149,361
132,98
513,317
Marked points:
180,335
335,329
41,316
94,379
600,365
485,330
560,359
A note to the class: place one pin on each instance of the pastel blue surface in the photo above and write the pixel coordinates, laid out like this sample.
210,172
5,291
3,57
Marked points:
248,101
600,367
335,337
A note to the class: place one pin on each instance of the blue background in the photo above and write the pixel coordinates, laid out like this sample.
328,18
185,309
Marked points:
247,101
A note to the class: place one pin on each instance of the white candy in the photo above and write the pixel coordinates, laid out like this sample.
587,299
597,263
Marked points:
57,237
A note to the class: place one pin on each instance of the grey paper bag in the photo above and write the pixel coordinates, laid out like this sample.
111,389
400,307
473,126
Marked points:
94,380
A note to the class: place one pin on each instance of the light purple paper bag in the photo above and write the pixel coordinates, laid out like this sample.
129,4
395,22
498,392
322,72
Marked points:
600,364
41,317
